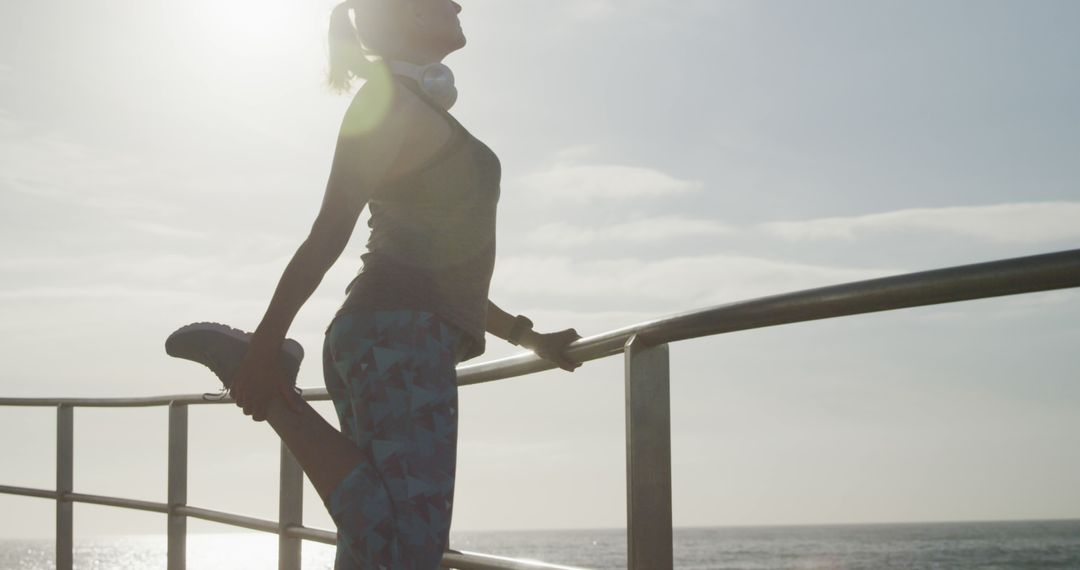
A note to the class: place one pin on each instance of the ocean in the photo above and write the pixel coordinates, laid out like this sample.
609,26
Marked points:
986,546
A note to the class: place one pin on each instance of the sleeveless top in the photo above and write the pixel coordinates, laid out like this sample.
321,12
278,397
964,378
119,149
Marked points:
432,241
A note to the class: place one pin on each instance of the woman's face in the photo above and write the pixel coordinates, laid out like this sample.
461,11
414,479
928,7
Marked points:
439,22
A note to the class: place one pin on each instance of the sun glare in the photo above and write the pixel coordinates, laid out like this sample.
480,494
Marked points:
250,25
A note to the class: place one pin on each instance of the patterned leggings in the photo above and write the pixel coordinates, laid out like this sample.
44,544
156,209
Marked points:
392,379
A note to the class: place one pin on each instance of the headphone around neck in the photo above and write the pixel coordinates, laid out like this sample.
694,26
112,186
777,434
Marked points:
435,80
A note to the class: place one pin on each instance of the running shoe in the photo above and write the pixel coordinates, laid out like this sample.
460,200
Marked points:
221,348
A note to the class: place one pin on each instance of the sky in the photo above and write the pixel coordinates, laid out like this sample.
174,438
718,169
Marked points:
160,163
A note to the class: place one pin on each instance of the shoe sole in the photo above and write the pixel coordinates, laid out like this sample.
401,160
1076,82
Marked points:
189,342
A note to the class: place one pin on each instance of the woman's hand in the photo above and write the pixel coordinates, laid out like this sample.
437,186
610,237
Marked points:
552,346
260,378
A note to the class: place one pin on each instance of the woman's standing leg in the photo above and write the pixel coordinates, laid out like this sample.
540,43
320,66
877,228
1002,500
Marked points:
399,374
338,391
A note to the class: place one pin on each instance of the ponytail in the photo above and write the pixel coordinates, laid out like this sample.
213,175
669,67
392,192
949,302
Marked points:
348,57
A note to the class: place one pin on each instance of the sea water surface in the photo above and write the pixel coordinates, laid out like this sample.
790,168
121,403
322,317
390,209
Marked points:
986,546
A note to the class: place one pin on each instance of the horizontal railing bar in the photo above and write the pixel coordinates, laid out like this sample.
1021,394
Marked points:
249,523
310,394
118,502
1032,274
461,560
103,500
312,534
455,559
143,402
29,492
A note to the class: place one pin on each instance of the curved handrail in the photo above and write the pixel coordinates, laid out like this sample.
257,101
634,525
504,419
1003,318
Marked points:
1031,274
979,281
1044,272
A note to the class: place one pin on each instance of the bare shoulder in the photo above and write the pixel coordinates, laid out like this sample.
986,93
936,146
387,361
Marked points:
372,135
375,113
424,131
389,130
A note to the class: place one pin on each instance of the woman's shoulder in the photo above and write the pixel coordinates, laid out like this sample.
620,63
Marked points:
371,139
421,118
386,108
377,110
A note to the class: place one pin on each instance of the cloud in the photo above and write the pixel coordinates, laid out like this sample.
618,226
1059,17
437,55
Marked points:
165,230
8,126
576,153
52,166
636,231
226,272
590,10
95,293
663,284
579,183
1022,223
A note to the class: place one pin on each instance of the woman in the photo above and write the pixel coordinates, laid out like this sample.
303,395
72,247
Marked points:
418,307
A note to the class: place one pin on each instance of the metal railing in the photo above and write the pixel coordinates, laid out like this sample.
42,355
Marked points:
648,418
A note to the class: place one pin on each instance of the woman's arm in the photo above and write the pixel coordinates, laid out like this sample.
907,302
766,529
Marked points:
550,346
361,162
362,159
499,322
302,276
259,376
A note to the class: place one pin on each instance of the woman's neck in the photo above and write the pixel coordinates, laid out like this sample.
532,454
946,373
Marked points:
416,55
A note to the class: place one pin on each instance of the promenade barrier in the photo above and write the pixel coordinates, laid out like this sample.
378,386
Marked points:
648,410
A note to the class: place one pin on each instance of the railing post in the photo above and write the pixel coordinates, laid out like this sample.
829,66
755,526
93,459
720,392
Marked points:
65,471
178,471
648,456
290,510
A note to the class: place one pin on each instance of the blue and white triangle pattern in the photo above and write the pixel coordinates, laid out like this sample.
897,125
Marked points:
391,375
